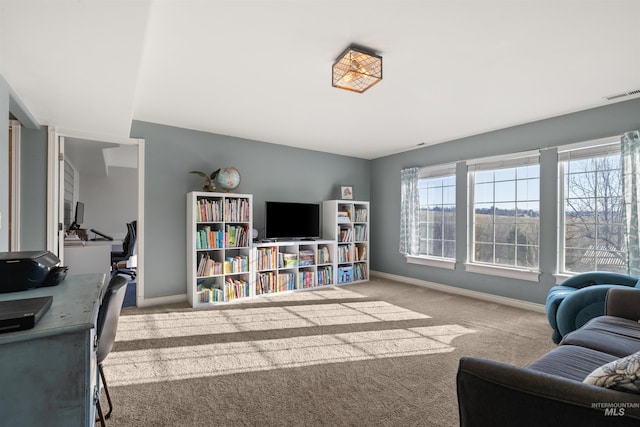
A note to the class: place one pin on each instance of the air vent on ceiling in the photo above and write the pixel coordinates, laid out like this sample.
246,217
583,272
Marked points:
622,95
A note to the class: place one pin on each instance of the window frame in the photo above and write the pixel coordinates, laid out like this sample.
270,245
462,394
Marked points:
427,172
584,150
496,163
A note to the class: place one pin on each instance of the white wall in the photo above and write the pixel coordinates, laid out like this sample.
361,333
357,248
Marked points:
110,201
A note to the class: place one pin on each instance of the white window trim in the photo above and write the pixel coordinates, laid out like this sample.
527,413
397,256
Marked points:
446,263
488,163
427,172
502,271
588,149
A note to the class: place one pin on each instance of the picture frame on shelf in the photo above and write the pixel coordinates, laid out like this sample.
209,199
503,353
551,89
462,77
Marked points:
346,192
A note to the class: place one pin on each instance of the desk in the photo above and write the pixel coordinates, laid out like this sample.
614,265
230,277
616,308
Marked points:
48,374
88,257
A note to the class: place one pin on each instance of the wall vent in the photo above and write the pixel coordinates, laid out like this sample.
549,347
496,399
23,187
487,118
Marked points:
622,95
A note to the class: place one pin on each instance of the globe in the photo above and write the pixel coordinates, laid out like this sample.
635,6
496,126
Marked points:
228,178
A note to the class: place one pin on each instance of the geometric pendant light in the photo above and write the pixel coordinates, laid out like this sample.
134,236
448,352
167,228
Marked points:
357,70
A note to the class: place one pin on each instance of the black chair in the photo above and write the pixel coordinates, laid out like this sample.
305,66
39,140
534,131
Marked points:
128,249
108,315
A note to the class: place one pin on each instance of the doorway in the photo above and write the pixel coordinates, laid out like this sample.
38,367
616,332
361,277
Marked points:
104,176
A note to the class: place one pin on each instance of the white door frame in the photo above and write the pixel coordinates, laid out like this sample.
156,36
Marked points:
14,240
55,239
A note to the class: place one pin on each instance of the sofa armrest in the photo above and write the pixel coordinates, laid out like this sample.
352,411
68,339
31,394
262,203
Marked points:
623,302
590,278
493,393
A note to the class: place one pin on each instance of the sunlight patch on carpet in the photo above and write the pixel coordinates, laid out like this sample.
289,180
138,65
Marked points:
207,322
179,363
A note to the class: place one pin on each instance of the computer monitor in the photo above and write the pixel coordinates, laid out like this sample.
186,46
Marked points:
78,219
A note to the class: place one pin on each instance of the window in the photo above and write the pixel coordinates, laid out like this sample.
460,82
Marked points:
593,230
437,217
505,215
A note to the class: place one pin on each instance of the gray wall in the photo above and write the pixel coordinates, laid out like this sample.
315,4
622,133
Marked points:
587,125
33,189
269,172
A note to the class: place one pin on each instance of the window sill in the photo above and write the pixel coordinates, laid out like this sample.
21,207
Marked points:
431,262
494,270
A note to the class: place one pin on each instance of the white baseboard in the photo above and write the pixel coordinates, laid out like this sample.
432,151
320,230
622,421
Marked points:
171,299
526,305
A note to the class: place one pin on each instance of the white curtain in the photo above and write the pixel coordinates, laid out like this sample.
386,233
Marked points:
410,209
630,151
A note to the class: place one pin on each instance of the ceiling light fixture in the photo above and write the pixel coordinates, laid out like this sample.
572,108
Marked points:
357,70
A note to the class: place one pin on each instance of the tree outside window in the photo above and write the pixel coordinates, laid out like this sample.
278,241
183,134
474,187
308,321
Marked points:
593,215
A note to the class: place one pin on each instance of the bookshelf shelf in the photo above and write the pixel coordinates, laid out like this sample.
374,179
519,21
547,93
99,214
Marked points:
218,247
348,222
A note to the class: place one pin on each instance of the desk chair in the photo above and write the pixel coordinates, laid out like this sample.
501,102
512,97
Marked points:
108,315
128,249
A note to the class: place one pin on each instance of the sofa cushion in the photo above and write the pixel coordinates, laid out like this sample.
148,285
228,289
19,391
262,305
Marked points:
614,335
571,362
621,374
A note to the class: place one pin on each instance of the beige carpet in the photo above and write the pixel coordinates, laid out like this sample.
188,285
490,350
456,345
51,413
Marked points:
380,353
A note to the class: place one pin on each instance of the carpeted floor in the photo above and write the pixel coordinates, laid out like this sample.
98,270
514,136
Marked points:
380,353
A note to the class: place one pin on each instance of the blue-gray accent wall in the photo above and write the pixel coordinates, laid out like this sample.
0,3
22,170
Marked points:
33,189
546,134
269,172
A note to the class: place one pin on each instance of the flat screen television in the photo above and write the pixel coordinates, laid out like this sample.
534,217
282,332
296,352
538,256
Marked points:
287,220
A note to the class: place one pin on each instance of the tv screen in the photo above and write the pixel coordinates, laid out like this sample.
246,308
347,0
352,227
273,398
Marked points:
286,220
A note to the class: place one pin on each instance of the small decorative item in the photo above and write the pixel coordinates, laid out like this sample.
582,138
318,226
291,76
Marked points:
209,179
346,192
228,178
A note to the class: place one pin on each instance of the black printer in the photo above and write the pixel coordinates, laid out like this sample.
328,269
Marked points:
29,269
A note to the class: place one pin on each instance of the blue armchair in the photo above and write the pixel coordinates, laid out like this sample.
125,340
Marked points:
580,298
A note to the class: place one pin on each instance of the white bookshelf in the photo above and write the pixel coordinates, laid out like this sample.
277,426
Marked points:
293,265
347,222
219,252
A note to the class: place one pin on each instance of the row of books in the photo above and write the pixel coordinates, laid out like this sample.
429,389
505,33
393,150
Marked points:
236,288
344,253
359,272
214,210
236,210
325,275
233,236
269,281
206,294
360,232
346,234
209,210
269,258
266,258
361,215
207,266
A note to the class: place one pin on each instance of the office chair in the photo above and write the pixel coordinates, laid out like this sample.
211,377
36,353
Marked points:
128,249
108,315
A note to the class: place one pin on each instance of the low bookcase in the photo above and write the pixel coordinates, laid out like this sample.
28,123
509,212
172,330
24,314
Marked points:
293,265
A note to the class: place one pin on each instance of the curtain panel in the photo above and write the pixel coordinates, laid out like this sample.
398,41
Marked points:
630,152
410,209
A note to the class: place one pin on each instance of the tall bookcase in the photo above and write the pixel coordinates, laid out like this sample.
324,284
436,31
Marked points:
218,247
293,265
347,222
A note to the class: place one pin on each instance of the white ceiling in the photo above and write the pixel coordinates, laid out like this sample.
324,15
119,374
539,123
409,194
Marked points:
261,69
